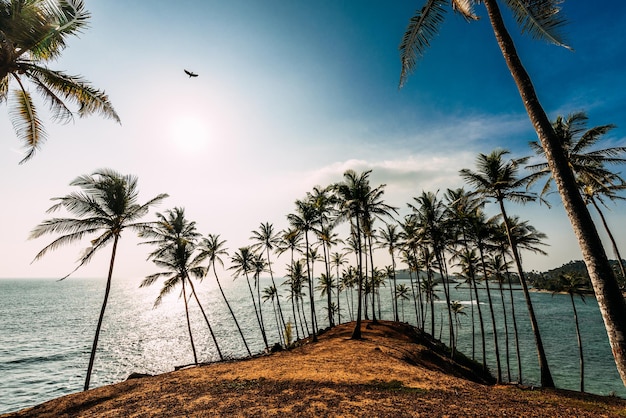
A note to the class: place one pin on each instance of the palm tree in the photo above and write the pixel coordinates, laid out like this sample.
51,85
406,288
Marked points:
266,238
541,19
178,264
304,220
402,293
587,162
325,287
33,33
271,293
176,238
243,263
573,284
107,204
458,310
391,237
212,248
499,180
296,279
338,259
352,194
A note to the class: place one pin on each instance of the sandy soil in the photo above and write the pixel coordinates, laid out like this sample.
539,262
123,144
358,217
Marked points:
392,372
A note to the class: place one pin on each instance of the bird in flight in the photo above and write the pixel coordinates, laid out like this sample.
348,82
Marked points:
190,74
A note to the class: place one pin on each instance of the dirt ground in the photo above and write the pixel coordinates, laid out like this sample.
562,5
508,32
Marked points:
393,371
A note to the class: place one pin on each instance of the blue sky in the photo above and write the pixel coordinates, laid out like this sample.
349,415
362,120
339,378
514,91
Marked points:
290,94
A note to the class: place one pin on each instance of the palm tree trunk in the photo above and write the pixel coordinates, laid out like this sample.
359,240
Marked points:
92,356
193,346
280,310
311,294
517,348
206,319
546,376
256,311
481,321
231,311
356,333
620,262
580,346
506,331
493,317
610,300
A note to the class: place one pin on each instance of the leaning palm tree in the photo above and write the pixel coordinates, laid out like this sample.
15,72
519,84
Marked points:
573,284
267,239
588,163
402,293
391,238
499,180
175,238
542,19
107,204
32,34
212,248
243,264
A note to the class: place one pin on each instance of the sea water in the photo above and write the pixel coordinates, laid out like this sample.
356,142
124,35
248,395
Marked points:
47,328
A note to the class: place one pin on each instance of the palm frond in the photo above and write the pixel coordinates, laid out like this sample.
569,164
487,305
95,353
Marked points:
422,29
26,122
541,19
76,89
465,8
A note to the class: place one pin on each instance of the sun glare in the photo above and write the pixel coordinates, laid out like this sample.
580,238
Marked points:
189,134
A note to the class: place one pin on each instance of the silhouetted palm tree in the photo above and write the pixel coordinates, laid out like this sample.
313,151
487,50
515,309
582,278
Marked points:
498,179
243,264
107,204
212,248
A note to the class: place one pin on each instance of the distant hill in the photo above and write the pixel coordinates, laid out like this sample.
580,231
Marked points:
549,280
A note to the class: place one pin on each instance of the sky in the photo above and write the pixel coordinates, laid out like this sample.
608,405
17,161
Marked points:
290,94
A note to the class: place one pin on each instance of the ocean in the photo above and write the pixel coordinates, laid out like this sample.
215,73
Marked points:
47,327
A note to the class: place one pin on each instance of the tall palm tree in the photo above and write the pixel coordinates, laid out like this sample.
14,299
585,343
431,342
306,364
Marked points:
352,194
458,310
178,264
176,240
266,238
588,164
304,220
573,285
32,34
212,248
391,237
402,293
541,19
107,204
338,259
498,179
325,287
296,282
271,293
243,264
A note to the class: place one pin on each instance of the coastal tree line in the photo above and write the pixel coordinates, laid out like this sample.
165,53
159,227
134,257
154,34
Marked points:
34,33
446,237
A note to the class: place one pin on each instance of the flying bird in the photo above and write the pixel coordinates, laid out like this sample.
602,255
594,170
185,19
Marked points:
190,74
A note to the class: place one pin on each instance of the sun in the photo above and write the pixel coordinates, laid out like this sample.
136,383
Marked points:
189,134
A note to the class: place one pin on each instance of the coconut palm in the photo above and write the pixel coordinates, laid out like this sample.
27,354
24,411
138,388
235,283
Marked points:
178,264
107,204
271,293
352,193
212,248
243,264
175,238
587,162
326,286
296,282
391,237
402,293
458,310
304,220
267,239
541,19
573,285
499,180
32,34
337,260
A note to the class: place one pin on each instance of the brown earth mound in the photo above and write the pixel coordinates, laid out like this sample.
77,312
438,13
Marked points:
394,371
